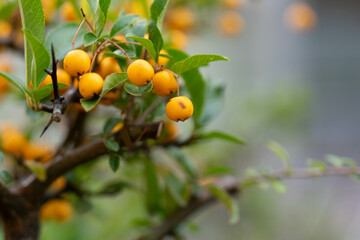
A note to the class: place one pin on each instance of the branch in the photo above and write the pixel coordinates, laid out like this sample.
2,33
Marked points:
234,188
61,164
4,196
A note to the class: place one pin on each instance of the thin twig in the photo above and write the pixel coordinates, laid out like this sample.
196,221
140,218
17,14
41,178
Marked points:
96,53
120,49
77,32
87,21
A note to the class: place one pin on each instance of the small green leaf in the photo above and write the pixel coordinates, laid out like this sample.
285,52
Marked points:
110,82
220,135
146,43
137,91
36,168
195,62
122,22
1,157
110,124
156,38
157,10
114,162
218,170
101,9
279,151
183,161
153,192
44,91
115,187
89,38
112,145
15,81
5,176
278,186
321,166
334,160
229,203
176,188
41,58
61,37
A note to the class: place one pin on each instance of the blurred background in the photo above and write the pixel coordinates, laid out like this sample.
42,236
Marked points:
293,78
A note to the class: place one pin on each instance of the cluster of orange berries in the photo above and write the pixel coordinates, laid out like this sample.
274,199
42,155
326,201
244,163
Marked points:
140,72
14,142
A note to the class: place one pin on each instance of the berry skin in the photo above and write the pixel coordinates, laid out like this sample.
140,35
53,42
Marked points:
178,39
13,140
58,209
140,72
179,109
231,23
162,60
77,62
90,85
108,66
37,152
164,83
62,77
68,13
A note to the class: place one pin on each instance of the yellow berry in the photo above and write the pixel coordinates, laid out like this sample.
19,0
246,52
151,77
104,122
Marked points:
4,84
140,72
62,77
181,18
110,97
231,23
179,109
77,62
178,39
117,127
300,17
56,209
120,38
58,185
37,152
108,66
13,141
161,60
171,131
90,85
164,83
68,13
5,30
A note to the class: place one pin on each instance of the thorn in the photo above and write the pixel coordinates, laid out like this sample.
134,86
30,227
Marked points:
47,71
82,12
46,127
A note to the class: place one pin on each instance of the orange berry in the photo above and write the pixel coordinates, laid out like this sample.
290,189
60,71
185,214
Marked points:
171,131
37,152
108,66
68,13
300,17
120,38
181,18
58,185
164,83
179,108
140,72
91,85
62,77
5,30
57,209
178,39
13,141
231,23
4,84
49,7
117,127
77,62
161,60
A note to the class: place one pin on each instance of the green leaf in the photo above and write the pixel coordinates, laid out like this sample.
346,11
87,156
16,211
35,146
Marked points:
218,170
1,157
195,85
337,161
195,62
45,91
213,104
41,58
220,135
89,38
37,168
185,163
110,82
229,203
157,10
122,22
15,81
145,8
101,9
112,145
317,164
61,37
110,124
176,188
114,162
5,176
278,186
156,38
279,151
32,17
153,192
7,9
115,187
146,43
137,91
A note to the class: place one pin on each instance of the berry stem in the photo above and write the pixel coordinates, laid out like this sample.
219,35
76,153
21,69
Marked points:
87,21
177,80
96,53
114,43
77,32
